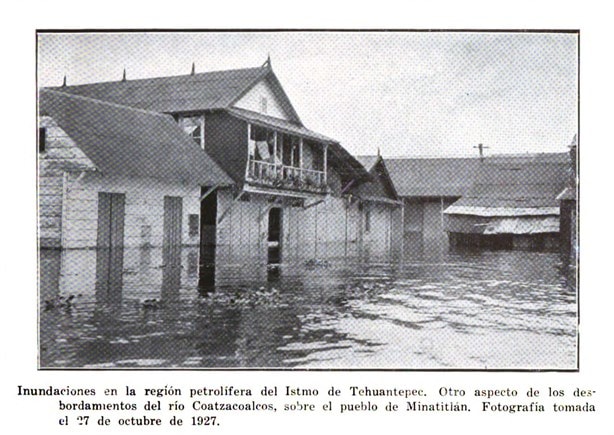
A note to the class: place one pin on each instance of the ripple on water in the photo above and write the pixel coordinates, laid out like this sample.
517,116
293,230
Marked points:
490,309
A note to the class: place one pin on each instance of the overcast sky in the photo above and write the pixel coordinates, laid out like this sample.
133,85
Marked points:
409,94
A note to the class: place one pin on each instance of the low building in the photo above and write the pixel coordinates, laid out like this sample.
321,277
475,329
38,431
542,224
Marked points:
111,175
427,186
512,204
380,210
569,210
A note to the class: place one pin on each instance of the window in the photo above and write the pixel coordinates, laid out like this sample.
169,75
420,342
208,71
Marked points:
42,139
367,219
193,224
263,104
194,126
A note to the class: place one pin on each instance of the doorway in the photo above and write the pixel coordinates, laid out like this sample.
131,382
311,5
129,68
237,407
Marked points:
208,235
171,246
110,246
274,240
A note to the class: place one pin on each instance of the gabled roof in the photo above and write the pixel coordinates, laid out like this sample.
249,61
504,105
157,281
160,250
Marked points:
381,186
131,142
185,93
516,185
368,161
432,177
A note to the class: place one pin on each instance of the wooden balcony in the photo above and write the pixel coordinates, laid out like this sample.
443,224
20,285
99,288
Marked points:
280,176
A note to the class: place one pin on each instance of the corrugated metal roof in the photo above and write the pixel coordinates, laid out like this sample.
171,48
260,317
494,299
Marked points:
186,93
500,211
518,182
524,225
131,142
432,177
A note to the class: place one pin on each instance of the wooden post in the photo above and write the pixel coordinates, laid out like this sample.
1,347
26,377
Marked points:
300,158
276,174
300,153
325,163
442,212
274,146
402,228
249,156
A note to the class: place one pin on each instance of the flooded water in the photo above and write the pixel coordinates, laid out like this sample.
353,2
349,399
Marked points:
430,308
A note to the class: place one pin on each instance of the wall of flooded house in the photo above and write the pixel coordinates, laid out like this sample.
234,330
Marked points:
424,227
376,228
144,209
68,198
143,275
333,228
60,154
568,241
467,230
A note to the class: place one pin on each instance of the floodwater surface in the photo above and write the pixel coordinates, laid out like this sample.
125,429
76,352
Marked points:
448,310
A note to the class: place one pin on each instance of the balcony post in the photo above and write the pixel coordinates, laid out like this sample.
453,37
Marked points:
275,169
325,163
300,158
249,156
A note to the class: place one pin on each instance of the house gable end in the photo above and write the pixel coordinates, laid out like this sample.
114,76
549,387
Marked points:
278,104
261,99
61,151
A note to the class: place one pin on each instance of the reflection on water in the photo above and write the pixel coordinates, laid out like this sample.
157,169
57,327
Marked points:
430,309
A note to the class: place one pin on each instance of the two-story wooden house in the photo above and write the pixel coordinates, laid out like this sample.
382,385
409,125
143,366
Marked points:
287,197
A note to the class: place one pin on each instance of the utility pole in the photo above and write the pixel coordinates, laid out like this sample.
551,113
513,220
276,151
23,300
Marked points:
481,149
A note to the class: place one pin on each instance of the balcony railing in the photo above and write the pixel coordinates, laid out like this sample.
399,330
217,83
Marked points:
286,177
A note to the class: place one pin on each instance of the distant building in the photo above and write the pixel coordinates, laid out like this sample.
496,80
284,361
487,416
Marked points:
569,209
427,186
512,204
381,209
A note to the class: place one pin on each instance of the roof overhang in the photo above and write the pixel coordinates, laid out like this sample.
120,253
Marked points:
260,190
380,200
523,225
502,211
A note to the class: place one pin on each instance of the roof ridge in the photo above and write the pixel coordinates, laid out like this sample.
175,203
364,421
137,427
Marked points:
486,158
429,158
105,103
263,68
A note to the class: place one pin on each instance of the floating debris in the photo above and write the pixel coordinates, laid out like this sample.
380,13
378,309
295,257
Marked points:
59,302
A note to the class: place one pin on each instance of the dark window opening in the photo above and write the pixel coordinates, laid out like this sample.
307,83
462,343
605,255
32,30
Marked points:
42,139
275,236
296,152
194,126
264,143
367,219
286,147
318,156
193,225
